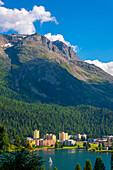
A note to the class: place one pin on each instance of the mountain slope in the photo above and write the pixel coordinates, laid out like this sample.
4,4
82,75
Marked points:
36,69
22,118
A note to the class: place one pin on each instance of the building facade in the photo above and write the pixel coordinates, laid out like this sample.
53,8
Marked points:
63,136
50,137
36,134
79,136
46,142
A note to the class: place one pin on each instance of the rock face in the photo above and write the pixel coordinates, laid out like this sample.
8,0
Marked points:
40,70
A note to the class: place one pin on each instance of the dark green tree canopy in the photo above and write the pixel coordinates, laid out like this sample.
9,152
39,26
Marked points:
99,165
88,165
2,137
20,160
77,167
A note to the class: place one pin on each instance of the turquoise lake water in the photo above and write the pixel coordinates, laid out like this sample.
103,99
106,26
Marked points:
67,159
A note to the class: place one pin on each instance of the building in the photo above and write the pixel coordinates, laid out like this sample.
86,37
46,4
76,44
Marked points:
36,134
50,137
63,136
110,137
70,142
37,142
41,142
46,142
79,136
84,136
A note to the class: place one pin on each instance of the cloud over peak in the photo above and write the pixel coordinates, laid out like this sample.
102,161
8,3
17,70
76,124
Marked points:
22,20
107,67
1,3
60,38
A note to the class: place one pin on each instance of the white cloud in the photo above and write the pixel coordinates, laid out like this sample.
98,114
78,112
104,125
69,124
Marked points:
107,67
22,20
60,38
1,3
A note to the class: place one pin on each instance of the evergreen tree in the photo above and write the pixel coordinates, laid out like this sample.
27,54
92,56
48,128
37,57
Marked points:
103,166
17,141
77,167
88,165
2,137
21,160
112,146
112,161
43,168
96,166
55,168
56,144
99,165
84,167
6,143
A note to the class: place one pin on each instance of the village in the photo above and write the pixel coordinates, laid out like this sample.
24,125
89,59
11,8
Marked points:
76,141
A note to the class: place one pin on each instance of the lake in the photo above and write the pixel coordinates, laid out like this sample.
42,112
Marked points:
67,159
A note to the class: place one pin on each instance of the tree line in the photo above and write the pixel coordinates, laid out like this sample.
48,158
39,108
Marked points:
21,119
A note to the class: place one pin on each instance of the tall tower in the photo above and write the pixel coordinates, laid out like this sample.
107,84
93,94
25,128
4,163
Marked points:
36,134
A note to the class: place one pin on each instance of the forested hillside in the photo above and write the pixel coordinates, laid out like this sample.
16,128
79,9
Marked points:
22,118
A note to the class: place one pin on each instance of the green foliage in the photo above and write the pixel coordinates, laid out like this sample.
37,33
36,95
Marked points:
17,141
86,145
20,160
25,143
82,138
22,118
112,146
88,165
43,168
58,145
65,65
73,138
2,136
99,165
77,167
111,160
55,168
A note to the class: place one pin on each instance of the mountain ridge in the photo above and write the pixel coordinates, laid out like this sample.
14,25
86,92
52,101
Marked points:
51,72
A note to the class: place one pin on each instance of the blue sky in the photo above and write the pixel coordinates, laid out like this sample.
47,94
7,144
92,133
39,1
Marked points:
85,23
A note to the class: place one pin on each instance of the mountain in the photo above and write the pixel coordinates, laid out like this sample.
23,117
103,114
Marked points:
34,69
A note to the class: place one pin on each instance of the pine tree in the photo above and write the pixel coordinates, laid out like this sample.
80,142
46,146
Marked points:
43,168
84,167
20,160
103,166
88,165
55,168
77,167
99,165
112,161
2,136
96,166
